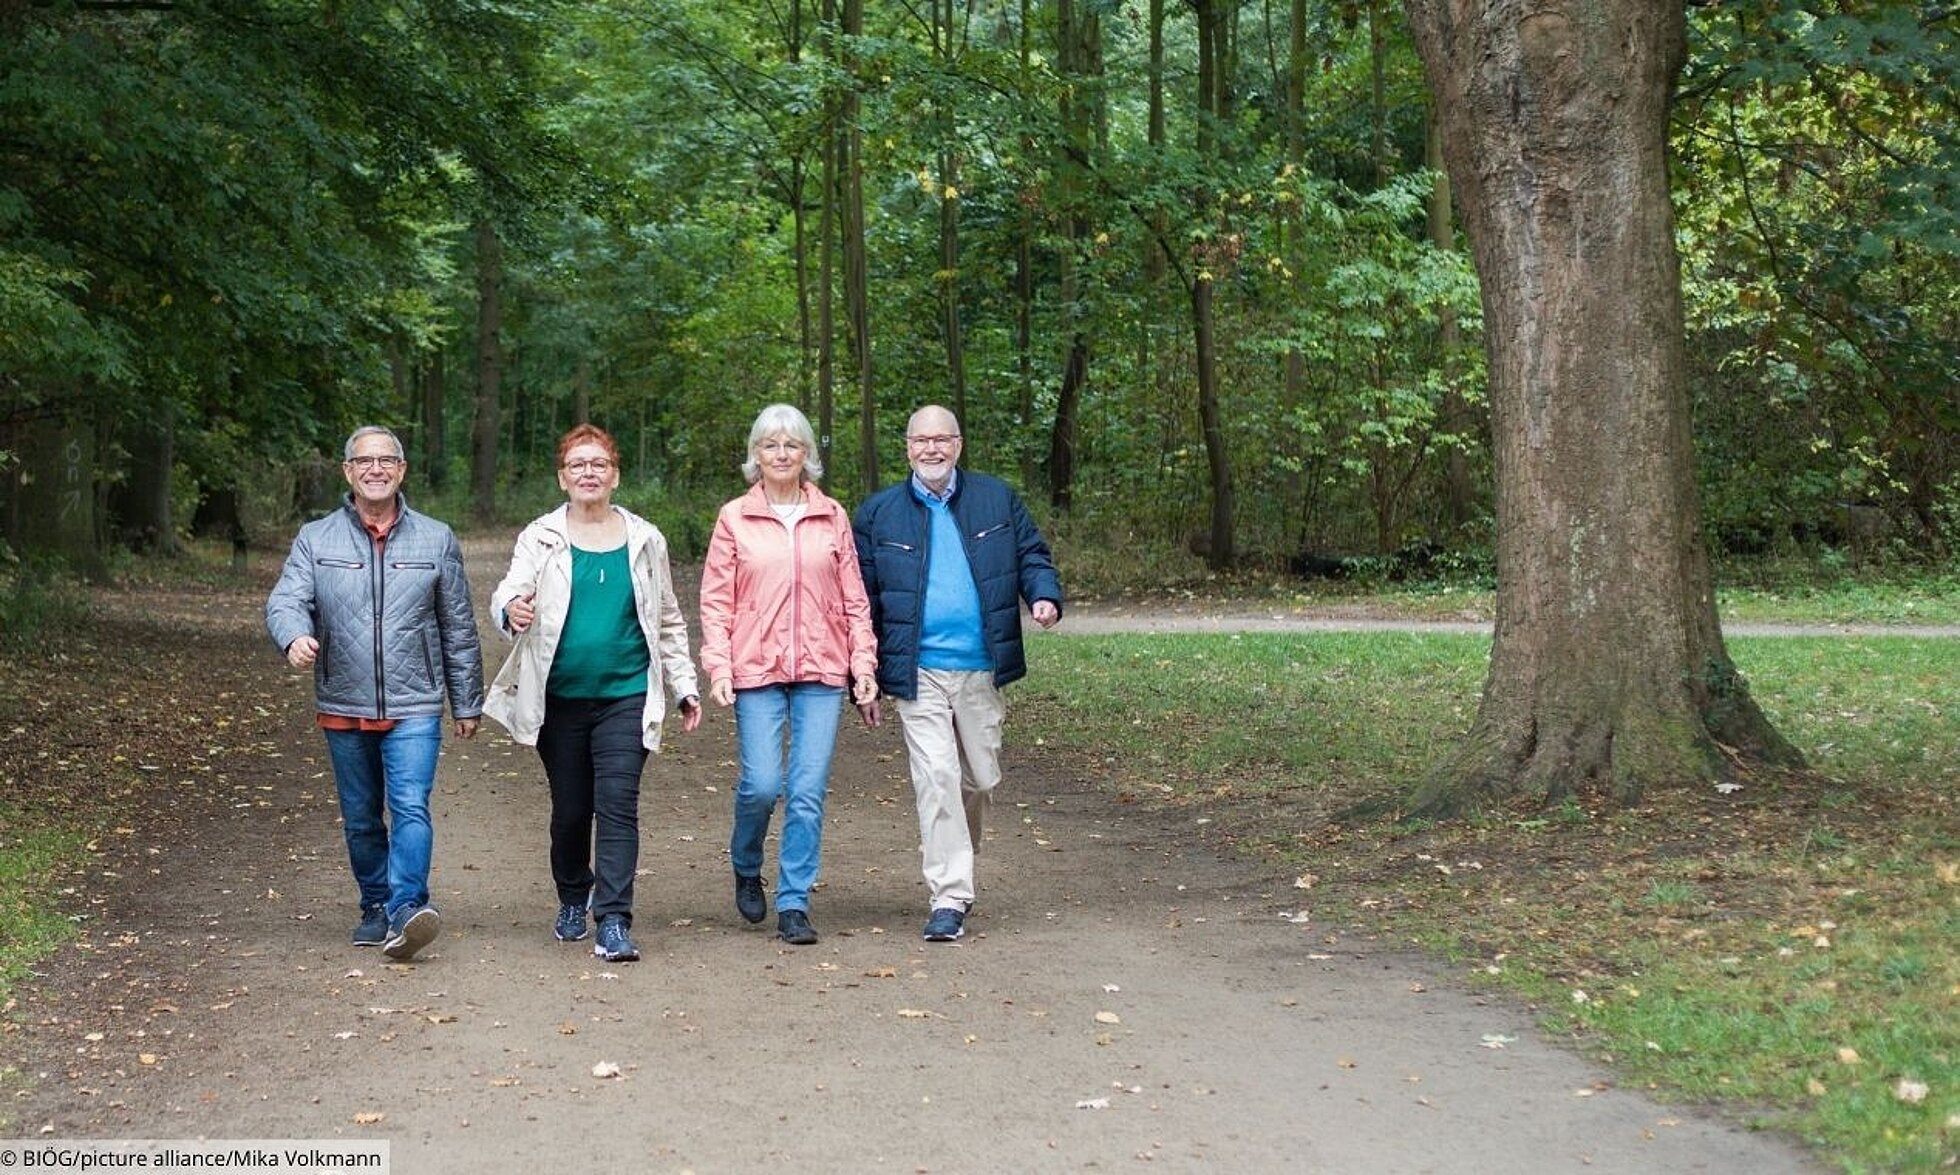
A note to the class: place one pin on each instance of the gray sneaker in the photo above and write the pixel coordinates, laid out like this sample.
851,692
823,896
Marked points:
411,929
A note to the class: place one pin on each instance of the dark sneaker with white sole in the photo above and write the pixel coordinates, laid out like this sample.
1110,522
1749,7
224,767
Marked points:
613,944
570,926
945,925
411,929
373,930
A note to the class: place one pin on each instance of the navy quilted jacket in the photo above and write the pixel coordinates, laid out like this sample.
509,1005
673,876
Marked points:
396,634
1004,549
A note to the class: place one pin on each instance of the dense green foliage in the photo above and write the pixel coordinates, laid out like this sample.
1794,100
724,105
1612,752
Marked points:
230,229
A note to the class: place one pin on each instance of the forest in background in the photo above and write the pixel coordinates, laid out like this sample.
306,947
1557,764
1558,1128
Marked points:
1188,270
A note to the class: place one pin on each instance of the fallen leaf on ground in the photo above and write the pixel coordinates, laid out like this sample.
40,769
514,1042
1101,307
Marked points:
605,1069
1094,1103
1910,1092
1108,1018
368,1117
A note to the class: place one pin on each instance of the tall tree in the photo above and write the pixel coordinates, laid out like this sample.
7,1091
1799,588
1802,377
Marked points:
857,280
1608,667
488,428
1079,62
1215,62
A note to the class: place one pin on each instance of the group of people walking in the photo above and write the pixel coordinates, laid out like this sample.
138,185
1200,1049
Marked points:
917,600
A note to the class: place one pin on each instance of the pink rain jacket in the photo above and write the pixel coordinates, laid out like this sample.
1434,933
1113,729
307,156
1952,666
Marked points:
781,605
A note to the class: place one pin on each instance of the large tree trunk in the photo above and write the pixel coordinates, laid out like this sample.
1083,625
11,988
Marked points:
1608,668
489,373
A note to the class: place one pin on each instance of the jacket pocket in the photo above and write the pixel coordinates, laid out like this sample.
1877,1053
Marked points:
988,531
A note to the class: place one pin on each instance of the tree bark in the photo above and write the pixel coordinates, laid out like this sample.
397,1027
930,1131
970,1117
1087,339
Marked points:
1458,420
1608,669
489,373
435,448
1214,109
857,289
827,272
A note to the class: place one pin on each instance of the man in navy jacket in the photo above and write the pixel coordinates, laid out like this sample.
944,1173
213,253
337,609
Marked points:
948,556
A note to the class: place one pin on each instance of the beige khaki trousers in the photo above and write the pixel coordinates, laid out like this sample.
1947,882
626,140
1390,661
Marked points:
952,738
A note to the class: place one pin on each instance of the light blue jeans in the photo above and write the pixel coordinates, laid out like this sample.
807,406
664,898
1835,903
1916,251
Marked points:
786,734
393,772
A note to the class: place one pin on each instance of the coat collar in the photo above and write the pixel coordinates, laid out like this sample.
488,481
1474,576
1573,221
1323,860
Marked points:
755,503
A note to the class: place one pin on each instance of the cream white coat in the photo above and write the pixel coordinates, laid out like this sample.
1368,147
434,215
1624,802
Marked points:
541,563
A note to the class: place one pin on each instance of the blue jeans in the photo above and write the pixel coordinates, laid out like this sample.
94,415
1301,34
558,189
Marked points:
391,771
593,755
803,714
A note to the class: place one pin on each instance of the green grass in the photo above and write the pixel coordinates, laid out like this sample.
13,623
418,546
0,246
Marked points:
1716,947
31,925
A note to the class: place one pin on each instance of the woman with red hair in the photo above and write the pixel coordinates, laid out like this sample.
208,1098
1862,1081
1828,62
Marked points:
601,642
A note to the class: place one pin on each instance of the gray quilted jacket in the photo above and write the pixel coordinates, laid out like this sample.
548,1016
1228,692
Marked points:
396,634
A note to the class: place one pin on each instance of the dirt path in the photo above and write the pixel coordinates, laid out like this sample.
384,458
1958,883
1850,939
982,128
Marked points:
1124,999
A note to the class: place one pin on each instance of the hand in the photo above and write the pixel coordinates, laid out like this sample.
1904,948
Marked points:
723,692
1045,613
519,613
466,727
302,652
864,690
690,712
870,712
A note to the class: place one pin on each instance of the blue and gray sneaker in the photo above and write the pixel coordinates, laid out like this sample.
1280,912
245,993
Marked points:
945,925
613,945
411,929
373,930
570,926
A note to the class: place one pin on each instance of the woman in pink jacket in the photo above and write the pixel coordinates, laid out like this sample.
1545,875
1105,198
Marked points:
785,628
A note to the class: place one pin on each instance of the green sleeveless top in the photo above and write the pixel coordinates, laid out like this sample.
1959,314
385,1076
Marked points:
602,654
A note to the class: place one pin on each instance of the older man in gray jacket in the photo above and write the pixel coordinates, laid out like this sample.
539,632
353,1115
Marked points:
373,598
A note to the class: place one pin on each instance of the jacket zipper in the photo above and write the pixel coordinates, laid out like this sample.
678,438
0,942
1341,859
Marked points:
380,580
795,599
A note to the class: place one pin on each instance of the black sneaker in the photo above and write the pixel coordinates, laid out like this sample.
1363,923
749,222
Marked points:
570,926
373,930
793,927
945,925
411,929
613,944
749,902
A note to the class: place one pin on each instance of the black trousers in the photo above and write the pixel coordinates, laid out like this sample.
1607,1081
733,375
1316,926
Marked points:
593,757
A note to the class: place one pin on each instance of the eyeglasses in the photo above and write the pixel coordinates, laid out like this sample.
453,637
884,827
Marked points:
946,441
366,463
595,465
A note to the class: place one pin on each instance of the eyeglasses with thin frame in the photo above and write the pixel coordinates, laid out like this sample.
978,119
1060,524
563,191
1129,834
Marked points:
383,462
592,465
939,441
